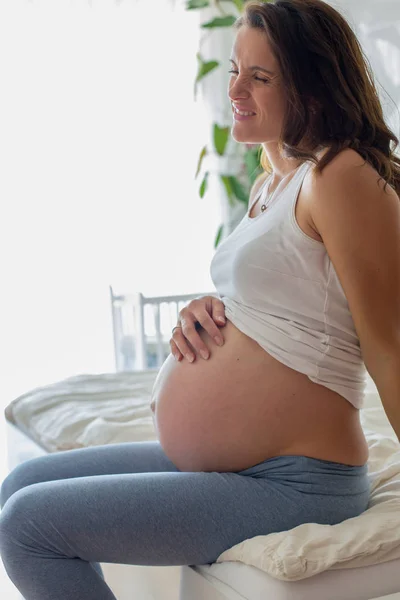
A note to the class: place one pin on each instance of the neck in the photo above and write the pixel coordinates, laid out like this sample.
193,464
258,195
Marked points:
281,166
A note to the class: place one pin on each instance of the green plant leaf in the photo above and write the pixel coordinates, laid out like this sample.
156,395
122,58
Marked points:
191,4
205,67
227,21
203,153
238,190
220,138
218,236
239,4
203,185
226,180
203,70
252,163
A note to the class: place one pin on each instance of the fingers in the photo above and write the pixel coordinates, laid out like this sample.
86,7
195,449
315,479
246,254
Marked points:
175,351
187,333
207,323
218,311
207,312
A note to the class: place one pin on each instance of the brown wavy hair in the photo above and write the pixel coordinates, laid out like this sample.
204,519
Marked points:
332,100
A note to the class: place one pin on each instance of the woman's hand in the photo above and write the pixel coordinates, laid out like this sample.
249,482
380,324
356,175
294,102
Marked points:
206,311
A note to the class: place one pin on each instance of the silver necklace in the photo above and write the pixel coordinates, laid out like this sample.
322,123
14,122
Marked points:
265,204
269,197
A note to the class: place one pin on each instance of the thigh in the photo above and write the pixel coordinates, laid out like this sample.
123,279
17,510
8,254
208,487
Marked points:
175,518
111,459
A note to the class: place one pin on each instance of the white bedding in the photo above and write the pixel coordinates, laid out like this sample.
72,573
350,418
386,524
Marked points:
87,410
115,407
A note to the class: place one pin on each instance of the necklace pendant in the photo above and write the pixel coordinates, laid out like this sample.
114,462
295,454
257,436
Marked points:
263,207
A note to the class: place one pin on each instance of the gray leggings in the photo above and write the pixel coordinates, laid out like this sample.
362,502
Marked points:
64,513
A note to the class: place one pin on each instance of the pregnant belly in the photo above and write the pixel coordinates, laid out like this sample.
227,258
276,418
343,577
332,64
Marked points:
242,406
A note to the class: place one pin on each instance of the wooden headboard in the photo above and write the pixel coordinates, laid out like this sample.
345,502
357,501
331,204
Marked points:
142,327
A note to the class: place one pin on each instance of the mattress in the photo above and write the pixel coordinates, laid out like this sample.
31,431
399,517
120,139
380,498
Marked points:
237,581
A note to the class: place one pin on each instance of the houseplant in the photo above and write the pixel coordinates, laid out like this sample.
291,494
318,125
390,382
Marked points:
236,185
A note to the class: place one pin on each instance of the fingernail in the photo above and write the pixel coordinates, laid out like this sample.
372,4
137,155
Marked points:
218,341
204,354
190,357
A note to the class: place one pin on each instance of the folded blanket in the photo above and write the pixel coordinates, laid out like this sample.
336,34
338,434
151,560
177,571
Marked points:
87,410
111,408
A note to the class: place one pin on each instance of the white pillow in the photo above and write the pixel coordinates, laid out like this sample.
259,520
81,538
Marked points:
371,538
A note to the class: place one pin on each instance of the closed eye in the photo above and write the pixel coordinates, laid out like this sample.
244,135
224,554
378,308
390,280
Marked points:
255,76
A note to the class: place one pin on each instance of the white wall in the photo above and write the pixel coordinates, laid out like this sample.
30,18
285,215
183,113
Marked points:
377,25
99,143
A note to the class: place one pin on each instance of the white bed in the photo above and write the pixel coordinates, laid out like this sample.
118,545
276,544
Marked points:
126,394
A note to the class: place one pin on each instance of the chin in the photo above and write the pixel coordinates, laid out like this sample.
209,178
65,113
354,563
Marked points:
242,137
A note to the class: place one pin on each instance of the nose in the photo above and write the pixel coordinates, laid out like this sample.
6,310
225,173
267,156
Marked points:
238,90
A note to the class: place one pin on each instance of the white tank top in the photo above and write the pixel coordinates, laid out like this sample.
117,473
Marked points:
279,287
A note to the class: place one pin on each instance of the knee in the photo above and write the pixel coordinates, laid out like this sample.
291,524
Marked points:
21,476
12,540
8,487
18,526
12,517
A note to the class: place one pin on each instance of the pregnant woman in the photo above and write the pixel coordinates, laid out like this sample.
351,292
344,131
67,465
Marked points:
264,434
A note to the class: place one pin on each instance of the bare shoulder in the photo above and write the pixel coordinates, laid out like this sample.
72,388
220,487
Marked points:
346,162
344,172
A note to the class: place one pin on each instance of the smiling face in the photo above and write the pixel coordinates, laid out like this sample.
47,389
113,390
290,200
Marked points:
255,86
